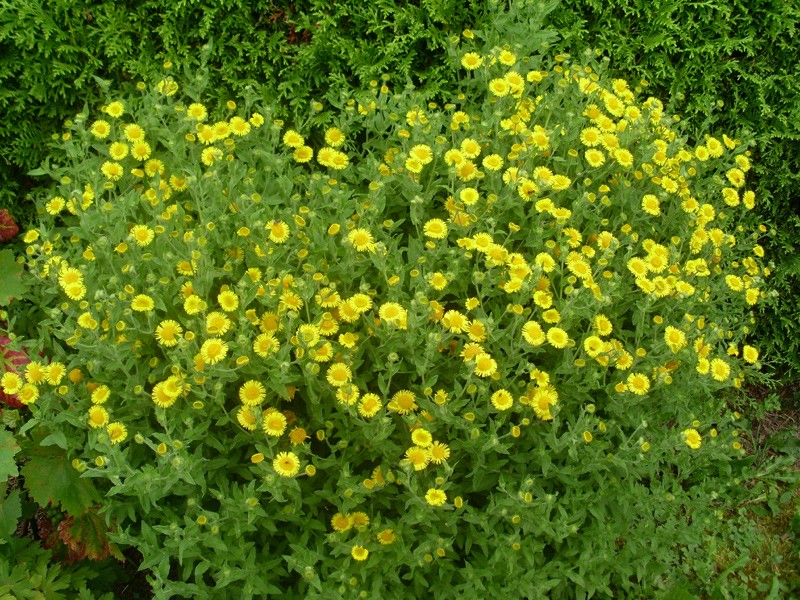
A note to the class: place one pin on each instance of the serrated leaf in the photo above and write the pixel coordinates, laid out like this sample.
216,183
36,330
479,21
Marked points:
49,477
87,536
10,278
10,512
8,448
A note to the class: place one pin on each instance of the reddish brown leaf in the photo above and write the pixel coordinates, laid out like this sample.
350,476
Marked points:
86,536
8,227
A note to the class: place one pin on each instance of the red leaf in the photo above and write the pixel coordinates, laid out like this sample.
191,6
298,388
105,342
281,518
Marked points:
8,227
87,537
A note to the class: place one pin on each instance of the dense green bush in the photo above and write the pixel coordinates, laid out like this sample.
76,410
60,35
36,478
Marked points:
425,349
726,65
51,51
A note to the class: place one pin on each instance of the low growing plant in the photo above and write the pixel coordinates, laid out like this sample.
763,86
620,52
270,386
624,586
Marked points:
444,350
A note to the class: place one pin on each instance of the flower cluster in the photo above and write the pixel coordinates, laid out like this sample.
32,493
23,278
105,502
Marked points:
323,309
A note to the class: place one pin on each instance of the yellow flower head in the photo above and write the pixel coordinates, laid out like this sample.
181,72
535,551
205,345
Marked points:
692,438
286,464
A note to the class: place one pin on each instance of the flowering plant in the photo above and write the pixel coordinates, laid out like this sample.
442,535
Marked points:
441,348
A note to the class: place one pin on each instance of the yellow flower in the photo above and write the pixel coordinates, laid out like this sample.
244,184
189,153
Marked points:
197,112
217,323
485,365
692,438
98,417
386,537
142,234
341,523
303,154
297,436
266,344
750,354
435,228
252,393
651,205
362,240
422,437
115,109
359,553
675,339
293,139
118,150
369,405
455,321
499,87
403,402
117,432
338,374
100,394
228,300
438,452
133,133
246,418
273,423
54,372
393,313
100,129
334,137
213,350
533,334
557,337
471,61
11,382
418,456
638,383
112,170
541,400
28,394
594,157
435,497
502,400
142,303
278,231
720,370
286,464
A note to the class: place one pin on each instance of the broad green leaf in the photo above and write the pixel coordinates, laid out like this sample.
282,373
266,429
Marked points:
51,478
8,448
10,278
10,512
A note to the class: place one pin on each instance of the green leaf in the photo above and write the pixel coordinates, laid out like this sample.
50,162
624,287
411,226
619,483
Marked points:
10,278
55,439
10,512
8,448
50,477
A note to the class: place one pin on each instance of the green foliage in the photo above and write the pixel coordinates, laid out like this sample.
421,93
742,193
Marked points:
28,572
10,512
725,65
8,449
50,478
500,234
11,281
52,51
